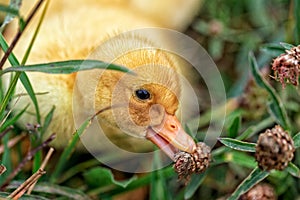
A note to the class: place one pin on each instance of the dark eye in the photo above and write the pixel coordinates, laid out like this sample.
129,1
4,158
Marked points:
142,94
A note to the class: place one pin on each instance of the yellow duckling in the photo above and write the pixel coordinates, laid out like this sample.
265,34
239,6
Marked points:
142,105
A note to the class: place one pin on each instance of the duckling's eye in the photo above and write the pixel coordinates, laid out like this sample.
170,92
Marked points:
142,94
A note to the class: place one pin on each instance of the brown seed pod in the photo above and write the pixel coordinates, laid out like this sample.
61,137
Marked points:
274,149
186,164
261,191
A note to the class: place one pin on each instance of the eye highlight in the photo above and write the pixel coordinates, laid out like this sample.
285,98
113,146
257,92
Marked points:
142,94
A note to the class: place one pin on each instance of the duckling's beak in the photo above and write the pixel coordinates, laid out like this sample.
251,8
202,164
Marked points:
170,136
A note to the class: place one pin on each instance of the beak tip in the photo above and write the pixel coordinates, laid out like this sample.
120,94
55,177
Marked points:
192,148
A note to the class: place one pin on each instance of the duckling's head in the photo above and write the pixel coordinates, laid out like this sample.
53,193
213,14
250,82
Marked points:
144,104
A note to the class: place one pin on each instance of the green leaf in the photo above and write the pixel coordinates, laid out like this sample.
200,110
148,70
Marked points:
77,169
63,159
249,132
238,145
11,58
100,177
293,170
13,61
236,157
276,106
27,85
12,11
139,182
252,130
254,177
158,185
23,77
286,46
194,184
274,49
6,159
66,67
297,21
234,125
296,139
47,120
36,31
12,120
24,80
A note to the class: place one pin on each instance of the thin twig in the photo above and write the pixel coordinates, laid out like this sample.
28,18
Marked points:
43,165
6,131
24,186
9,111
18,35
12,142
28,157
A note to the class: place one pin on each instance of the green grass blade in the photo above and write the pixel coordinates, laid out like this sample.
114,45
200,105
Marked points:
297,21
252,130
276,107
12,11
66,67
235,157
69,150
9,10
254,177
28,50
27,85
9,94
101,177
158,186
11,58
142,181
194,184
14,62
24,79
47,120
286,46
238,145
273,49
249,132
12,120
6,159
293,170
37,161
234,124
83,166
296,139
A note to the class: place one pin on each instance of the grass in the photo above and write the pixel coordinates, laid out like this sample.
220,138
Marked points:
242,37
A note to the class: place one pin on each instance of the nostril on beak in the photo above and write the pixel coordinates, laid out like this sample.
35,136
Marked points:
173,127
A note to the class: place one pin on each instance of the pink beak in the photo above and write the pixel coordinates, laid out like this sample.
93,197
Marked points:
170,136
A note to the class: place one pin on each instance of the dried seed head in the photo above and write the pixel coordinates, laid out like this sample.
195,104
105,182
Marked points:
286,66
274,149
261,192
202,157
186,164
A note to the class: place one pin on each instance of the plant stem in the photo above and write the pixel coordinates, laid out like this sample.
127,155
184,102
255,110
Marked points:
18,35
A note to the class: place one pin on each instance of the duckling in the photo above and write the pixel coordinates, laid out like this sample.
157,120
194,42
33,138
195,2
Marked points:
137,107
